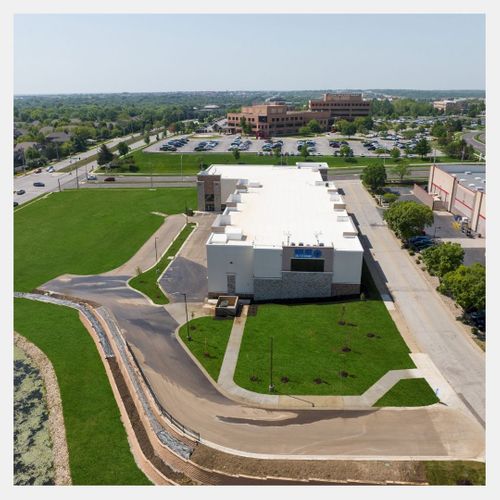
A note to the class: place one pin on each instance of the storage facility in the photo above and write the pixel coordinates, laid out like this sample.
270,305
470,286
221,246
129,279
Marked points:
282,233
462,190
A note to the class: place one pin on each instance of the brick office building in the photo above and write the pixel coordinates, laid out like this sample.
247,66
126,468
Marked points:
269,120
341,106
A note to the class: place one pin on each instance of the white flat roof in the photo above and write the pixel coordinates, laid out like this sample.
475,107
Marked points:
285,204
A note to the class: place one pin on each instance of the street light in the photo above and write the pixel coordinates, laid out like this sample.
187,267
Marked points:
271,385
186,310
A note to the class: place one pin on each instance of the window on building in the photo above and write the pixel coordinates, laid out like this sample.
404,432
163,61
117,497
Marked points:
308,265
209,198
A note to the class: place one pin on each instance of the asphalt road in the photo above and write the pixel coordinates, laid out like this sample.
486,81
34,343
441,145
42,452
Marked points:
62,180
434,328
469,138
184,391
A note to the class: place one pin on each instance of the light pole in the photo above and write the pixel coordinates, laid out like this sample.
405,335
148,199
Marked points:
271,385
156,250
187,317
182,175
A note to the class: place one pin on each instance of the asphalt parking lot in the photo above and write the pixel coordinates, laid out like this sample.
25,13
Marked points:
321,145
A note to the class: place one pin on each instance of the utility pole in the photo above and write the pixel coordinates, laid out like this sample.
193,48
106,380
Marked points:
77,183
182,175
187,317
59,182
271,385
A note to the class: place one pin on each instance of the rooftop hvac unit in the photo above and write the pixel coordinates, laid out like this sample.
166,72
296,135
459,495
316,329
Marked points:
321,244
453,175
292,244
301,244
472,185
462,180
484,181
480,189
477,178
467,173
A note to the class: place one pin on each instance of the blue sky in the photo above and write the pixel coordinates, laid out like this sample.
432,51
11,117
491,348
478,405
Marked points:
166,52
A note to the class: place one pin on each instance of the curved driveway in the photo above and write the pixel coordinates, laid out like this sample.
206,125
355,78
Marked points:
469,138
436,432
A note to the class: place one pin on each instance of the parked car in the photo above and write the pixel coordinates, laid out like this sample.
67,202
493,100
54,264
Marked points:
21,191
477,319
91,177
50,170
109,179
15,204
39,184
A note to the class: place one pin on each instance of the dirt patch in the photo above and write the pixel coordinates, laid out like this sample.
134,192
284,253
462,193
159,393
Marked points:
140,432
366,471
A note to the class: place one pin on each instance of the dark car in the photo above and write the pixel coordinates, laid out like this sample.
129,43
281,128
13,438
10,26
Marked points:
21,191
109,179
335,144
39,184
15,204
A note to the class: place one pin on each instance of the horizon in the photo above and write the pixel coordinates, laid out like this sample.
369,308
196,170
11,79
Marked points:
153,53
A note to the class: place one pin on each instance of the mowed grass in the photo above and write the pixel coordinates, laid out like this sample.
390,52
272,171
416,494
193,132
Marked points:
147,282
455,472
99,452
209,338
170,163
88,231
409,392
309,345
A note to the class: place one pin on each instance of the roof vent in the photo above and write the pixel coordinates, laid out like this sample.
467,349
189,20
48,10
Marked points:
467,173
321,244
292,244
301,244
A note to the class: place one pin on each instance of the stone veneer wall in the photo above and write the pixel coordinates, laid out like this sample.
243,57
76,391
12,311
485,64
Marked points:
293,285
341,289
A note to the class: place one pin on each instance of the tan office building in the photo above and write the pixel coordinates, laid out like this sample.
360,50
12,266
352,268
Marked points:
269,120
450,106
338,106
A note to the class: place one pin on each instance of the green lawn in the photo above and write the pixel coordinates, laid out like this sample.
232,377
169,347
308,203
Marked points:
170,163
147,282
88,231
99,452
455,473
209,337
309,342
409,392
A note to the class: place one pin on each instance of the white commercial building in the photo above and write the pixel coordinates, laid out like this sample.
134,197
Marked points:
283,233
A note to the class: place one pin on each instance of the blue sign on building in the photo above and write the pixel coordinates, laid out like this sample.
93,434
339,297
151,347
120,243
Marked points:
307,253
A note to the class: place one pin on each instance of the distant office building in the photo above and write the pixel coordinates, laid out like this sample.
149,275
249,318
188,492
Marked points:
450,106
267,245
269,120
341,106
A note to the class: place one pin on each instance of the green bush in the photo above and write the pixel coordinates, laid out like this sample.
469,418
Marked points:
390,197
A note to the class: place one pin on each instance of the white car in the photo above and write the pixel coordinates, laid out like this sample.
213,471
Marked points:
50,170
91,177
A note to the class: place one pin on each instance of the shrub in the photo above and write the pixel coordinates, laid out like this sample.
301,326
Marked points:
390,197
411,252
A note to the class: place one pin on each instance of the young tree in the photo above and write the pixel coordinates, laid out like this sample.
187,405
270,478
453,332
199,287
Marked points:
123,148
401,169
467,286
345,151
423,147
104,155
395,154
277,152
374,176
147,139
408,218
443,258
236,154
347,128
304,151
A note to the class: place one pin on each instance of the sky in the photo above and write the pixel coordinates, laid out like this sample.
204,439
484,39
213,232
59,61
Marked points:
80,53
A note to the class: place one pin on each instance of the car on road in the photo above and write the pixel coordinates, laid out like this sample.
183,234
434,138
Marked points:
39,184
16,204
21,191
50,170
109,179
91,177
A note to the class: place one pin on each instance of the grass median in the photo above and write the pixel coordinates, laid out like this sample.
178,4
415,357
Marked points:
99,452
147,282
170,163
209,338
